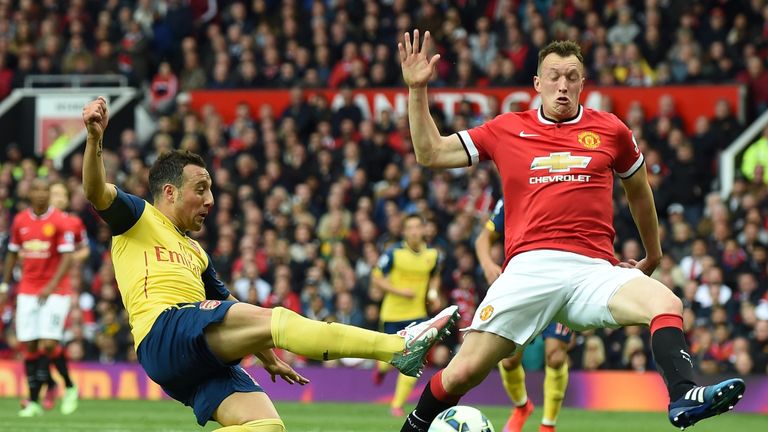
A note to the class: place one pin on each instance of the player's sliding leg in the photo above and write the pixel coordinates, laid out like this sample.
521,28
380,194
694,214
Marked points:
513,379
555,381
248,412
645,301
479,354
247,329
403,389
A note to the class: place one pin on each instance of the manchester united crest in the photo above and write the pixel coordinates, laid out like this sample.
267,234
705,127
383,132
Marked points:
486,313
589,140
49,230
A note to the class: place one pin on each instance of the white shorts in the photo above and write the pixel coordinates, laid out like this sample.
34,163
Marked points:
539,286
34,321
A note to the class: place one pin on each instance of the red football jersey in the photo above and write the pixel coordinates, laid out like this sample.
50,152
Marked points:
557,178
40,242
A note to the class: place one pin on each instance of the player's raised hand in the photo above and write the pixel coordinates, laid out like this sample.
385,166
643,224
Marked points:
417,68
283,370
96,117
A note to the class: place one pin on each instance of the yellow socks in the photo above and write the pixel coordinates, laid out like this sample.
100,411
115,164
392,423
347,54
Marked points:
555,383
267,425
514,384
323,341
402,390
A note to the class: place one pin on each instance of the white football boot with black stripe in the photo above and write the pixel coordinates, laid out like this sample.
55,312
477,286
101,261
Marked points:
703,402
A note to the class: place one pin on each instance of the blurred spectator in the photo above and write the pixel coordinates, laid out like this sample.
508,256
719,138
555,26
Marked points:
755,160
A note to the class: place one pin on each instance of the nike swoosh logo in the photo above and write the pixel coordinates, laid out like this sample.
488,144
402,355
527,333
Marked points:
525,135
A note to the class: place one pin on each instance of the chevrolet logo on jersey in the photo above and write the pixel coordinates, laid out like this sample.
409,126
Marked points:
560,162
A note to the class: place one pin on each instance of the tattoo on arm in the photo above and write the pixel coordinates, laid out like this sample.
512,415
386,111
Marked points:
99,147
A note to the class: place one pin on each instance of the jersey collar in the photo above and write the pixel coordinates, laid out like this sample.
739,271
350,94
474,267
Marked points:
42,216
572,120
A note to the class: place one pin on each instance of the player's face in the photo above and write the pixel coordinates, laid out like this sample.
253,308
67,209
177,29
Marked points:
560,82
195,198
413,231
39,195
59,197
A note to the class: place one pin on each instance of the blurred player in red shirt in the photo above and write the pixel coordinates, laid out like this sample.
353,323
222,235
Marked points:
557,166
41,239
60,201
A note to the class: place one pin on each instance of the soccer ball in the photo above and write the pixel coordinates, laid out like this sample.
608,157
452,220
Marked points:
461,418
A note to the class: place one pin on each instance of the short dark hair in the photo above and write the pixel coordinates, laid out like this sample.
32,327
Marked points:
563,49
168,168
416,216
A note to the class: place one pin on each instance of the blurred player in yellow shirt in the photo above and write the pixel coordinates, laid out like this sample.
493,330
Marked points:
556,336
408,273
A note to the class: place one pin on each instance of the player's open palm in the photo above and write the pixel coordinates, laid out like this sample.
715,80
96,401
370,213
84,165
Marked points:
96,117
417,68
284,371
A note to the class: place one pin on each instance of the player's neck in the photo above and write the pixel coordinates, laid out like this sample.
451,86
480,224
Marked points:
168,213
40,211
557,118
417,248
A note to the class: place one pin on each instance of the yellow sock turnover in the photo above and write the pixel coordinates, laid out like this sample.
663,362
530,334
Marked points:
266,425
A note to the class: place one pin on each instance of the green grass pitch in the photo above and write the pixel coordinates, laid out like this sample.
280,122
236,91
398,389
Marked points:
167,416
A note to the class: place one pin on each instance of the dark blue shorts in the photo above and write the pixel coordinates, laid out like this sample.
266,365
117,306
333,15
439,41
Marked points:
392,327
557,331
176,356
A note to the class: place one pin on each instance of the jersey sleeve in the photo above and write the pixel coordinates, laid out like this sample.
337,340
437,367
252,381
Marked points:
628,158
480,142
496,222
65,237
386,261
14,242
123,213
214,287
438,264
81,234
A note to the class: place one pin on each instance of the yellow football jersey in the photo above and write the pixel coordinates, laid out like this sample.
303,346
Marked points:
407,270
156,265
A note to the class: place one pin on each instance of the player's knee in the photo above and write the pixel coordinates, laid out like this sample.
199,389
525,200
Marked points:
49,346
511,363
669,304
462,377
556,358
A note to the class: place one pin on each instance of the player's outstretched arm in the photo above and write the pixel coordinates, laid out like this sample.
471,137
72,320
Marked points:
97,190
11,258
643,208
432,149
483,244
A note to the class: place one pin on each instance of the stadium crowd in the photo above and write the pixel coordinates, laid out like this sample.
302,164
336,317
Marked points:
307,199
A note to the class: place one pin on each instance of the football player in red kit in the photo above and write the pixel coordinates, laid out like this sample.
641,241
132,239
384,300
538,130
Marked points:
41,239
557,166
